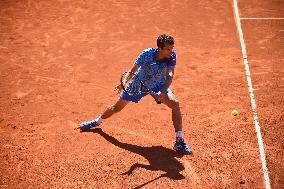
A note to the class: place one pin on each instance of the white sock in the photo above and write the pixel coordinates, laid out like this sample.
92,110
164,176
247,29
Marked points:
179,134
99,120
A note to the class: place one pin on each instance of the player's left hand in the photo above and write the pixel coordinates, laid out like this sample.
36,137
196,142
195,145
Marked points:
161,96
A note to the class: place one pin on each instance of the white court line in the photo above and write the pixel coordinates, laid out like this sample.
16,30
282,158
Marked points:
252,99
262,18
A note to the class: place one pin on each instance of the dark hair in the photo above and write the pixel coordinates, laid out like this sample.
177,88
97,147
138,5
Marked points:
164,38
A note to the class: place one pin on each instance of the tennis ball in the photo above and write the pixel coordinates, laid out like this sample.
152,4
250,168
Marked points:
235,113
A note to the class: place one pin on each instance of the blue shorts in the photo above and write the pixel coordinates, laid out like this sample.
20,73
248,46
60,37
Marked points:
137,98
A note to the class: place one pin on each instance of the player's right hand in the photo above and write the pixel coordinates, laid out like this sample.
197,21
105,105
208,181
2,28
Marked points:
118,88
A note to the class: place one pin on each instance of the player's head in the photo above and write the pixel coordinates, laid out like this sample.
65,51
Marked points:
165,39
165,44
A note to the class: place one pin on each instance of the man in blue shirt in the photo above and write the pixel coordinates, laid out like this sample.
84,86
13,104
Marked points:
155,67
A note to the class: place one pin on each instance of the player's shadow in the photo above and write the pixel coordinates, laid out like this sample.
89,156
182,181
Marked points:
159,157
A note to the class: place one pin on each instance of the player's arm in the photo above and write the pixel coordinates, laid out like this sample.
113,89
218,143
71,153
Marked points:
162,93
170,76
139,61
134,68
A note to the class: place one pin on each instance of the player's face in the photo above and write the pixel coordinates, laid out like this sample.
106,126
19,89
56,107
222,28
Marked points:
167,50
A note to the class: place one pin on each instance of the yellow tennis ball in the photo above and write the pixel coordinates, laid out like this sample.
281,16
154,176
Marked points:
235,113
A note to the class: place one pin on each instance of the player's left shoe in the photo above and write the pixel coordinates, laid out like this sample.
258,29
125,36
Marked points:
87,125
181,146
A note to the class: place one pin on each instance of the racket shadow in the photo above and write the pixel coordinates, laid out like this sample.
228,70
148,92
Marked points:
159,157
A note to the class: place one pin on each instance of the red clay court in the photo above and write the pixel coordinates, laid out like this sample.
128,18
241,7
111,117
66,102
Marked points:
60,61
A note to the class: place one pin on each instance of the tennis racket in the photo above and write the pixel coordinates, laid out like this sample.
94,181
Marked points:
133,85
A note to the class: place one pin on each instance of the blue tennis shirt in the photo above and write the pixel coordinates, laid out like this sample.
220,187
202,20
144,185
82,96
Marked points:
151,71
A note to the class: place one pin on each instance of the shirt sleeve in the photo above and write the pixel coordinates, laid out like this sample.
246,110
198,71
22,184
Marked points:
172,61
140,59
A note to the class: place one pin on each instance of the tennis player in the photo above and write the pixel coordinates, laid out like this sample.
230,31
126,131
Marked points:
156,66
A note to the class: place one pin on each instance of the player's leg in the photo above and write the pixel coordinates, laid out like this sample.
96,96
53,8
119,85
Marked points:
172,102
116,107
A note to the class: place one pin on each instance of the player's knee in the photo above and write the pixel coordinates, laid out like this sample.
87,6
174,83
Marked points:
115,108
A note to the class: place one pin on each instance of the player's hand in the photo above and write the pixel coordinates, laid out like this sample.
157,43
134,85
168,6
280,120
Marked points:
161,96
118,88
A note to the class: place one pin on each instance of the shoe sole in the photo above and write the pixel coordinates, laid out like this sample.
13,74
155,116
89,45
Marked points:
96,125
182,152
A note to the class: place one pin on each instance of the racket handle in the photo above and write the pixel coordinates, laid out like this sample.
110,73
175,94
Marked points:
155,96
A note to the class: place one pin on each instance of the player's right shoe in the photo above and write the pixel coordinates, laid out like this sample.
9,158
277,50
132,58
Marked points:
181,146
87,125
